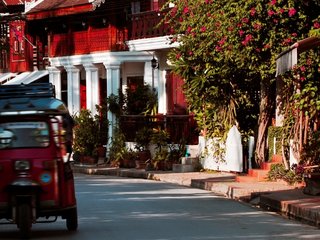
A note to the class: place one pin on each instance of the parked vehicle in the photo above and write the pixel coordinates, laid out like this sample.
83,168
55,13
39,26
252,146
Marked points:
36,179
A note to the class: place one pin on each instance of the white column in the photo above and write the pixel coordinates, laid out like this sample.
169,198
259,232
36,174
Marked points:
113,85
92,87
73,78
55,79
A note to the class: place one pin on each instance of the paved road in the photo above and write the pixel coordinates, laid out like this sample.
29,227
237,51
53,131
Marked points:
136,209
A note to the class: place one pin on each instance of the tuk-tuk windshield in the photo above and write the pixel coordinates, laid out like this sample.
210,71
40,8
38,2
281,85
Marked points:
24,134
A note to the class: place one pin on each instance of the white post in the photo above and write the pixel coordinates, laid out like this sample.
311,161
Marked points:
113,85
73,75
55,79
92,87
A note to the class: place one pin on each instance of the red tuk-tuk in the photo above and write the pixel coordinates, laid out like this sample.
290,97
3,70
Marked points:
36,179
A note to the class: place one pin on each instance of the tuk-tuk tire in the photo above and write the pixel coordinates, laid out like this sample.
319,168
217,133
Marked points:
24,220
72,219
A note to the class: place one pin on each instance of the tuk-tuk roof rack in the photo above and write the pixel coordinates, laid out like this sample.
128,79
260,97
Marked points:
30,99
37,90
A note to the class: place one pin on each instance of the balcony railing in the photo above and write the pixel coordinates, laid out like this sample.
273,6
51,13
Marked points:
179,127
148,24
85,42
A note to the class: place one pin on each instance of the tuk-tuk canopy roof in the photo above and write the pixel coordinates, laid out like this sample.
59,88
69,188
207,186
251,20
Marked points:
288,58
30,99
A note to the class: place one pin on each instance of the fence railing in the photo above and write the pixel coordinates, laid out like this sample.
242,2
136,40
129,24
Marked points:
147,25
179,127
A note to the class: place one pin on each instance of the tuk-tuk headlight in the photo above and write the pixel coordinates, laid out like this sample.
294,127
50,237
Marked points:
21,165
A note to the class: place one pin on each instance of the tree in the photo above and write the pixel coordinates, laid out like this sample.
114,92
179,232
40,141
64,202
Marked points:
227,56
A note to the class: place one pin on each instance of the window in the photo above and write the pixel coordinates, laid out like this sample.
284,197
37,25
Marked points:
135,7
24,134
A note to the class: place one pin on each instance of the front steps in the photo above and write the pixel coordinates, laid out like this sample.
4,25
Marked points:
259,175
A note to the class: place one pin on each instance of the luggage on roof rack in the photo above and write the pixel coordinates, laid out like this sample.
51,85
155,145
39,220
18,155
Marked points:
36,90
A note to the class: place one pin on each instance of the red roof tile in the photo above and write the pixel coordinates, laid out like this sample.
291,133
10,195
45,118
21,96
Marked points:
13,2
46,5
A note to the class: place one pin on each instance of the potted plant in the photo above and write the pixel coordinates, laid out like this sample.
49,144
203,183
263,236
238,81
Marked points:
129,159
176,152
117,150
85,137
102,122
142,139
160,138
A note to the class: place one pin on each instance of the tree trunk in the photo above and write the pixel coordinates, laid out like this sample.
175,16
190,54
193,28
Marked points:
267,110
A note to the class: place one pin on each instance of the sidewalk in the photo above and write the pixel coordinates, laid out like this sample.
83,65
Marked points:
273,196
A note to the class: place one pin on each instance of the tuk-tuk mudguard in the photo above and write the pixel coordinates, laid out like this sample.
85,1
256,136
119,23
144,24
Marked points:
23,187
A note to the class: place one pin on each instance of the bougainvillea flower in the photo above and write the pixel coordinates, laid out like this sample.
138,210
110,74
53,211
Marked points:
245,20
270,13
253,11
292,12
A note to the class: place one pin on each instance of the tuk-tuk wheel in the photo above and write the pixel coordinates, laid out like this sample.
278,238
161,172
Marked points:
72,219
24,220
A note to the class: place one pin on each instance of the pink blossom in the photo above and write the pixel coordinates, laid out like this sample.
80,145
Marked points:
230,29
178,55
222,41
241,32
281,10
186,10
287,41
218,48
253,11
190,53
257,26
203,29
174,11
270,13
294,34
303,68
245,20
189,29
247,39
316,25
292,12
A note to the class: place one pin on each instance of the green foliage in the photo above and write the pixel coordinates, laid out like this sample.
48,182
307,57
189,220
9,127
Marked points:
311,153
117,150
85,134
115,104
279,172
227,52
143,138
142,100
101,119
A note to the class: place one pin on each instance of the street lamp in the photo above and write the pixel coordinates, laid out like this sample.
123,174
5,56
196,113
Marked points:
154,65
